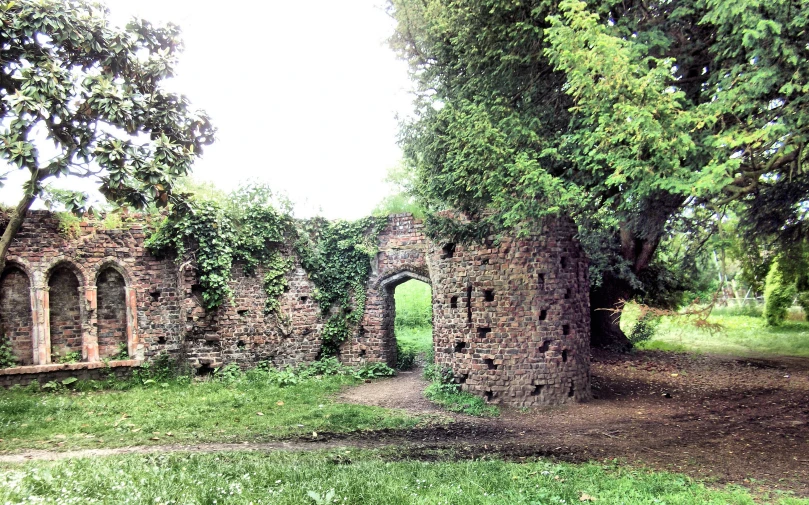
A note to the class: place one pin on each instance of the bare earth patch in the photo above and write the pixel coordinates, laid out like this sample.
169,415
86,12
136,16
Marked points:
401,392
725,419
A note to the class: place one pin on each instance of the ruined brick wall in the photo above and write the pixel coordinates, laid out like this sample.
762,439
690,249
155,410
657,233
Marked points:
15,314
111,289
511,319
65,313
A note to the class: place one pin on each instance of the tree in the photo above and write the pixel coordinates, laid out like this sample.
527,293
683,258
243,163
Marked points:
81,98
636,117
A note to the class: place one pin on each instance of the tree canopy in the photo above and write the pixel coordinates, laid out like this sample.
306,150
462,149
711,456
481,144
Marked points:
637,117
81,98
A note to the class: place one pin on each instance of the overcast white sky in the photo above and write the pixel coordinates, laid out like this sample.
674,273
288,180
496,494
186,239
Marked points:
304,94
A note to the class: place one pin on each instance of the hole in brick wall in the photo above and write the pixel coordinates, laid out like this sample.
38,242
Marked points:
565,329
537,390
507,250
460,346
543,315
572,391
161,340
240,344
453,302
205,370
155,295
196,291
361,331
469,303
243,312
484,261
448,250
544,346
286,289
461,379
306,331
484,332
488,295
563,262
564,355
541,280
567,294
489,362
304,299
488,242
362,353
489,395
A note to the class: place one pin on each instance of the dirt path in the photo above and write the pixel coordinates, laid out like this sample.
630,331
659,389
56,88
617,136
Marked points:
401,392
726,419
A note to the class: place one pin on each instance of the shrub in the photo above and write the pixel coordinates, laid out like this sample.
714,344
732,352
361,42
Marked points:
644,329
374,370
7,359
405,357
778,295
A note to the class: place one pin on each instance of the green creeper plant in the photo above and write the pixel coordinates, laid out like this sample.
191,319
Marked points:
337,256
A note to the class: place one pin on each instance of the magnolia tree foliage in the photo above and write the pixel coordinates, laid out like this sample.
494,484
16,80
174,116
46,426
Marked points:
637,117
81,98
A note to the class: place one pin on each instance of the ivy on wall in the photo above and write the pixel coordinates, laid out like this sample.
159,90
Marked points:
337,256
200,232
248,229
215,234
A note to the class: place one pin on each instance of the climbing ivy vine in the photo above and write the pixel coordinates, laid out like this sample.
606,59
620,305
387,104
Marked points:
248,229
245,228
337,256
200,232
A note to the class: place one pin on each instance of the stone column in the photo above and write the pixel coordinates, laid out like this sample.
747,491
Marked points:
89,324
41,331
131,297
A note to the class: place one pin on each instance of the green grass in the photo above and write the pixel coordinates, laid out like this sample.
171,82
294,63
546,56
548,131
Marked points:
419,339
414,306
211,411
740,335
350,477
454,400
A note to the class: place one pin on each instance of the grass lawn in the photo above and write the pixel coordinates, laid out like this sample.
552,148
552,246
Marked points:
172,412
740,335
420,338
349,477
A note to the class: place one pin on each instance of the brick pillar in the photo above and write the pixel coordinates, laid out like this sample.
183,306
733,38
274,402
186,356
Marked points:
89,325
41,331
131,321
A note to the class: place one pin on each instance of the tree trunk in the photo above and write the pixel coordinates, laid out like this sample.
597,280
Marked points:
15,220
605,329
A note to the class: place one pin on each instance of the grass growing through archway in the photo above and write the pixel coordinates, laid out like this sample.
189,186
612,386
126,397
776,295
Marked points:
414,320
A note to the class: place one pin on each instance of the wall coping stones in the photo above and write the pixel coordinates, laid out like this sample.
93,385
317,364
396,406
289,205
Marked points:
19,370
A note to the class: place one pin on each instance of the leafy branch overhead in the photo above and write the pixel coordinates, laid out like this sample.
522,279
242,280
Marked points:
82,98
635,117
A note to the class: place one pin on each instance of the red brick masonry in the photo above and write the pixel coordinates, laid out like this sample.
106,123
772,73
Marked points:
511,319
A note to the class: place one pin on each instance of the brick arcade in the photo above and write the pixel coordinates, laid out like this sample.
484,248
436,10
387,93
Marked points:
511,319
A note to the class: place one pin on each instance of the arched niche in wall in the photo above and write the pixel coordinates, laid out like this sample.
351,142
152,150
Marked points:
112,313
16,321
65,314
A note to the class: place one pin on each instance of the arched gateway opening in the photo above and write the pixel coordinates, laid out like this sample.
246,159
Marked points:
413,325
407,317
